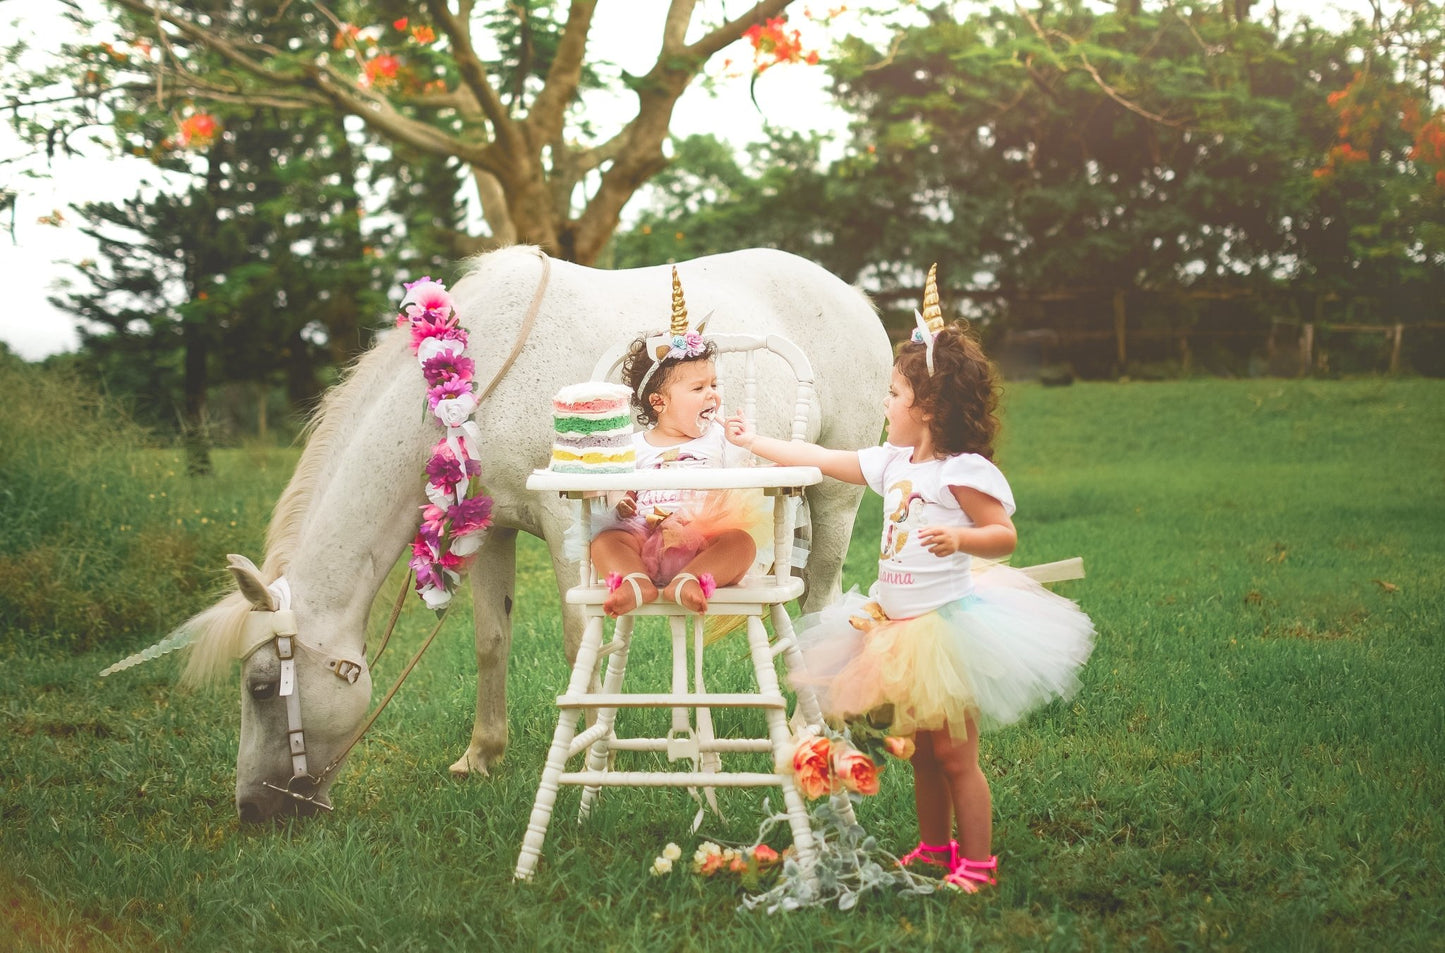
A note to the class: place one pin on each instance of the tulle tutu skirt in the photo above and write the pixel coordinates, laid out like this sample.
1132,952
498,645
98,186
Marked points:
993,656
669,545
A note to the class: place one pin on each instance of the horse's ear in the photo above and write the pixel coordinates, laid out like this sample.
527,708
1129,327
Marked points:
248,580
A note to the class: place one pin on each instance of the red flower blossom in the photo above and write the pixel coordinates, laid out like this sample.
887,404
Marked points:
198,130
381,70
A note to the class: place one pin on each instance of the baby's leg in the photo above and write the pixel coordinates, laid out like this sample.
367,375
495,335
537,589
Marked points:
727,557
615,550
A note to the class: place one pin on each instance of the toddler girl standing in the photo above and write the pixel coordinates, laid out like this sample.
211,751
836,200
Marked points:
686,541
939,650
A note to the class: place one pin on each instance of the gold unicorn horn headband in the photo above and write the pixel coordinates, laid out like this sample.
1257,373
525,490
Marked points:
930,322
677,341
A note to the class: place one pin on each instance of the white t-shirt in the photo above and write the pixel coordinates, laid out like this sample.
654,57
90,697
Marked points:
911,580
710,450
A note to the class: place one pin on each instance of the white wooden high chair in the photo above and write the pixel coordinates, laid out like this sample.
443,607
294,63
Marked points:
690,739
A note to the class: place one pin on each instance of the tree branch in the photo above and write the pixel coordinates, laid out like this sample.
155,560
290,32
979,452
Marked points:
545,117
729,31
1108,90
473,73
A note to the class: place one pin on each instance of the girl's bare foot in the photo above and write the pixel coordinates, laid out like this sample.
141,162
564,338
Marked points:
687,591
631,591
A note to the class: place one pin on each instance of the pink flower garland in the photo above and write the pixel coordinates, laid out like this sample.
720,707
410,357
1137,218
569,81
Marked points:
458,510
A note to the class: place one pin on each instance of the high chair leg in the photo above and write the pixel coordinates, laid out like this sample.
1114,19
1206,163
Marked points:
597,753
782,739
785,643
556,762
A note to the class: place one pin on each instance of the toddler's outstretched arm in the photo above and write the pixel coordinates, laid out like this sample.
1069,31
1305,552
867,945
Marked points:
838,464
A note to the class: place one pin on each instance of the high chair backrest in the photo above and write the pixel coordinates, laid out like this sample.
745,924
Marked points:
747,346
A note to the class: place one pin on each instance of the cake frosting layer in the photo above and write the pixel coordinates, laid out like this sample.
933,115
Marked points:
593,429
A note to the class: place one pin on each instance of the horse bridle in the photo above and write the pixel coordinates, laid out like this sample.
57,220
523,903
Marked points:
278,627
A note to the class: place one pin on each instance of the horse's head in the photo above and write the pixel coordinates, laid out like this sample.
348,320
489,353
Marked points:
301,705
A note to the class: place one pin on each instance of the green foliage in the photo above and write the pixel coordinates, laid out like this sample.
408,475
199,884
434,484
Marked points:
705,202
1252,764
105,542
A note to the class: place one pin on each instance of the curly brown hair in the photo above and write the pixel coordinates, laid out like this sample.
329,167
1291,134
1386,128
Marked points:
636,365
962,393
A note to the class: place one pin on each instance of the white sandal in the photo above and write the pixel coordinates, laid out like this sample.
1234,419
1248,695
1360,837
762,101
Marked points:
614,582
705,585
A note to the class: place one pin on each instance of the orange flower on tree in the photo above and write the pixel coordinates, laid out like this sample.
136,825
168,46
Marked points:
345,36
423,34
198,130
381,70
774,43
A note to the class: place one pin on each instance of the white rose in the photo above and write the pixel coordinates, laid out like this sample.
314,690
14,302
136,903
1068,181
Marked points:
661,866
439,496
431,347
672,852
466,545
455,411
435,598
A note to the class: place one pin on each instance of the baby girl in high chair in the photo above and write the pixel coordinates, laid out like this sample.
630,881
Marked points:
685,543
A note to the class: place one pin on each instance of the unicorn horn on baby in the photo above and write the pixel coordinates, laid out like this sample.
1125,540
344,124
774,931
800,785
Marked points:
678,340
930,322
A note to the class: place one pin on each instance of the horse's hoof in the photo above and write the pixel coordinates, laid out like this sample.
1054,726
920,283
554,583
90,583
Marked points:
469,764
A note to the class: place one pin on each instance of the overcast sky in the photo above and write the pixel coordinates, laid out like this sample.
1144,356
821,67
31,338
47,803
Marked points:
41,253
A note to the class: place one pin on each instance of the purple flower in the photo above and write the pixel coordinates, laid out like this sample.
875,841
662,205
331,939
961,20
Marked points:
470,515
447,367
446,390
446,471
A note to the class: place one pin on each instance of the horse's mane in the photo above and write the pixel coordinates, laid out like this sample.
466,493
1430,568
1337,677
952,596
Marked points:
217,631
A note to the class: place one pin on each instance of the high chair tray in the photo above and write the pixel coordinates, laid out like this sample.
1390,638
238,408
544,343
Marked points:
680,478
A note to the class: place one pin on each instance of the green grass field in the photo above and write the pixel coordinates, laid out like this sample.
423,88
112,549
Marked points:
1254,762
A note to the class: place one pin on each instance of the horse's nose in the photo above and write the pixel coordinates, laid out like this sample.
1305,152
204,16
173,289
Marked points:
251,811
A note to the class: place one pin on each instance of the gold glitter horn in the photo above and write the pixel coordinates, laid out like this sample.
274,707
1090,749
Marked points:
671,343
930,322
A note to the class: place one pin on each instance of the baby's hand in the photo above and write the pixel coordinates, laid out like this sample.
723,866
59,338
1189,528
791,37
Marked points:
739,432
938,540
627,506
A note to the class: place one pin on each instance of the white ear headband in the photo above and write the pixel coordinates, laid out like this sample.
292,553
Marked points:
677,341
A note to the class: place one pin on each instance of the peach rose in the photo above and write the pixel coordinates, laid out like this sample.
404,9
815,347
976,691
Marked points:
857,772
811,767
765,855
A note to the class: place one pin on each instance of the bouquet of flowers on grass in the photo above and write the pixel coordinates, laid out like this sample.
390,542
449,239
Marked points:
840,764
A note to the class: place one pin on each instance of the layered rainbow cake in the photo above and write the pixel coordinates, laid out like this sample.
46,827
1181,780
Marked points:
593,424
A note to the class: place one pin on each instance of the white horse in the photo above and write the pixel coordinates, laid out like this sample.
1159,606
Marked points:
352,504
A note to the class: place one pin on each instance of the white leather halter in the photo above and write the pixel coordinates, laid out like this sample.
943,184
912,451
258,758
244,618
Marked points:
278,627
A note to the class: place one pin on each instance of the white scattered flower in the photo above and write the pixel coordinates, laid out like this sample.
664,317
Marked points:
672,851
660,866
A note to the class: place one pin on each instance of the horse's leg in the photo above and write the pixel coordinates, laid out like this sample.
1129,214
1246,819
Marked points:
555,521
832,508
493,579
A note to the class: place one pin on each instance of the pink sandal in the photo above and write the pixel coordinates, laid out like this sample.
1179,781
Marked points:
926,854
967,874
